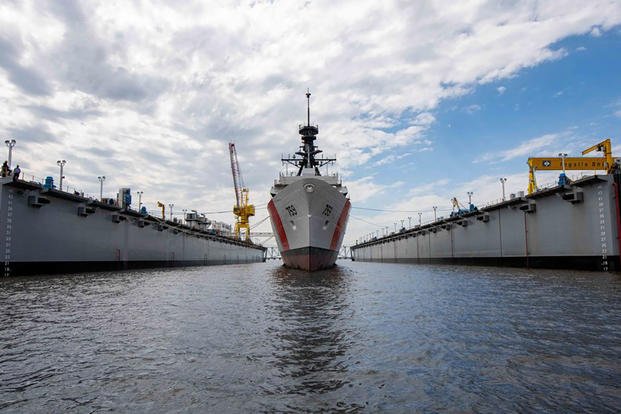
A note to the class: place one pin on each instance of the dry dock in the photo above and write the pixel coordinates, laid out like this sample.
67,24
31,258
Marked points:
571,226
44,230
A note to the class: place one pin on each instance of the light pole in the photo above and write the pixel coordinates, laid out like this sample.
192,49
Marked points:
101,179
470,198
61,164
560,154
139,199
420,218
10,143
410,222
184,211
171,213
395,226
503,181
435,216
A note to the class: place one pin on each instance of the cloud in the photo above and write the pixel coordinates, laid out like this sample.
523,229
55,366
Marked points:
163,89
363,189
472,109
28,79
391,159
501,90
525,148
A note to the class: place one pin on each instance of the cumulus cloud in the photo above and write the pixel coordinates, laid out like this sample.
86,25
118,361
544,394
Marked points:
162,90
501,90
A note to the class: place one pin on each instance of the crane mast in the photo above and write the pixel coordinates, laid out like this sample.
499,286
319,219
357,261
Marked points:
242,210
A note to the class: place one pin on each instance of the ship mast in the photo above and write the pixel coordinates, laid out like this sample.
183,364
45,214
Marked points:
308,150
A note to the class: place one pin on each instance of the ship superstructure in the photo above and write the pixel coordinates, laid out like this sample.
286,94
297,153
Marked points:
309,211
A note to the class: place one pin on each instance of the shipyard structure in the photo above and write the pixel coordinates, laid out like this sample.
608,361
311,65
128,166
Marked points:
46,230
574,225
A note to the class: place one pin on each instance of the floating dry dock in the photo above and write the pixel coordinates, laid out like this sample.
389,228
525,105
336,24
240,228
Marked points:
51,231
573,226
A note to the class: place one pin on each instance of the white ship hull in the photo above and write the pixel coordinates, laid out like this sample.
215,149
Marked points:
309,217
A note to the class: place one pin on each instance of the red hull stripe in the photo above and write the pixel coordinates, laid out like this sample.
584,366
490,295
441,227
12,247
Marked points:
271,208
339,225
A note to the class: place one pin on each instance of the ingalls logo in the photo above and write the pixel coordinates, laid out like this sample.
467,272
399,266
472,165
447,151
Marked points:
547,163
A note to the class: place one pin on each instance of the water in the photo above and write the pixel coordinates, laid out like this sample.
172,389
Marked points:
362,337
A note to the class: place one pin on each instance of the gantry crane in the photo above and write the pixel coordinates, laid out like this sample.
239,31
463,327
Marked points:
242,210
605,163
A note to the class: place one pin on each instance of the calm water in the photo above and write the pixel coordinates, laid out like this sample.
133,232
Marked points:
361,337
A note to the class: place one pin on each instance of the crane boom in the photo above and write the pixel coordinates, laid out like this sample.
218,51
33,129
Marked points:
237,181
242,210
606,147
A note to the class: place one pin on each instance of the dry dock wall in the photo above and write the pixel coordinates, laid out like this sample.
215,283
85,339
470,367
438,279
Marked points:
574,226
51,232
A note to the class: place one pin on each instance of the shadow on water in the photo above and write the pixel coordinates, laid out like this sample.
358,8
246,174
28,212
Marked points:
310,335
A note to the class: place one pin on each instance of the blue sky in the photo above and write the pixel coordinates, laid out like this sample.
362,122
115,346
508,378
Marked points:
578,94
575,100
420,101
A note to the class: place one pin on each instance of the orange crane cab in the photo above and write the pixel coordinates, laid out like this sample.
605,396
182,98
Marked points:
242,210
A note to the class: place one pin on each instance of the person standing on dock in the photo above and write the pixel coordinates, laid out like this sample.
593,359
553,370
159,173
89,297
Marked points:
5,169
16,172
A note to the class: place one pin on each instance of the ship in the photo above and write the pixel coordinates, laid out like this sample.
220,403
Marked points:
47,230
308,210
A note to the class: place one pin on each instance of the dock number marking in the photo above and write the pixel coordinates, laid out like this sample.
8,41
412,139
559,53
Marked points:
292,211
602,227
327,211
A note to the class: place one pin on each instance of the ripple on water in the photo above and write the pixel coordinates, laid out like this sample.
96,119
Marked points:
360,337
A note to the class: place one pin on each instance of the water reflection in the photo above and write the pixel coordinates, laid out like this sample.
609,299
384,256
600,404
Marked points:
262,338
310,338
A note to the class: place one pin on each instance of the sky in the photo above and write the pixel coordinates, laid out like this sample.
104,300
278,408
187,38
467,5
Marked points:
420,101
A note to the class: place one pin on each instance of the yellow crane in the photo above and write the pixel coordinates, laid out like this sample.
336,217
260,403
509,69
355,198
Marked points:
163,207
605,163
242,210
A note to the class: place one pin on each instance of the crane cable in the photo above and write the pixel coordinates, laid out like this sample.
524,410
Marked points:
256,224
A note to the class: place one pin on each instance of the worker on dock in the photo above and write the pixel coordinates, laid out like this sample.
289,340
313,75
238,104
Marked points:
16,172
5,169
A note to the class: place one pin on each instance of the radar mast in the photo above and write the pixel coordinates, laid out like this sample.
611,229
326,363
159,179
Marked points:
308,150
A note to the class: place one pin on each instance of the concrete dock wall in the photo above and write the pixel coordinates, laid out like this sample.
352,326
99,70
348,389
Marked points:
44,232
573,226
